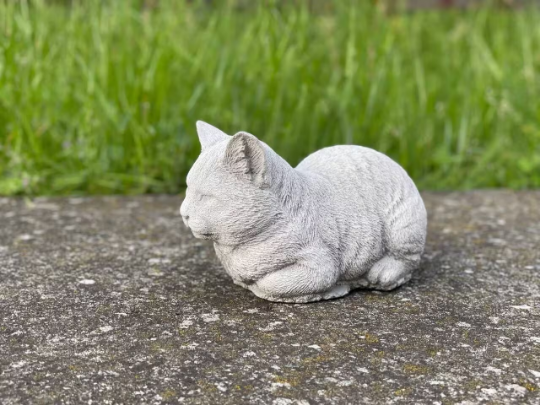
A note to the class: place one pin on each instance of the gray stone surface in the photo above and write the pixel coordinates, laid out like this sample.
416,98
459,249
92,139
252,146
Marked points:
110,300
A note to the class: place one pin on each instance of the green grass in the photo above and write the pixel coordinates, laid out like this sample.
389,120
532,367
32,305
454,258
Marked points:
103,98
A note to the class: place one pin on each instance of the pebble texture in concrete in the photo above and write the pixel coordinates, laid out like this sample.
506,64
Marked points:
111,300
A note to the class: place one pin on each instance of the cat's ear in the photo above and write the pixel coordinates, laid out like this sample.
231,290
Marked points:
209,135
244,156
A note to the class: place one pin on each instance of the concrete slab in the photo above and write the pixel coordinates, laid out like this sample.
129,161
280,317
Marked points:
110,300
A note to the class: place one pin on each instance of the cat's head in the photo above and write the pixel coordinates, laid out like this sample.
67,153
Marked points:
229,196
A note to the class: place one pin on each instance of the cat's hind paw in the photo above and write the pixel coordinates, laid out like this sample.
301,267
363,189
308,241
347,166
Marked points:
388,273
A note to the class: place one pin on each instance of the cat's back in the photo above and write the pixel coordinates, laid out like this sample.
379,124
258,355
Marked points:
356,166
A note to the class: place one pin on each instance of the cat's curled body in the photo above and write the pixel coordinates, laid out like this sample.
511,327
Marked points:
345,217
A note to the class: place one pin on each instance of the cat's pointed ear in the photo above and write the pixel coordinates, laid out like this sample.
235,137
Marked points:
245,157
209,135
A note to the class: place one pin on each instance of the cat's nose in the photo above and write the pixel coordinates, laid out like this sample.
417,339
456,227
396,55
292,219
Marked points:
185,219
183,213
183,210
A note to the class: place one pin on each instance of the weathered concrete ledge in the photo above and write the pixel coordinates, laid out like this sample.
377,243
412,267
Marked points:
110,300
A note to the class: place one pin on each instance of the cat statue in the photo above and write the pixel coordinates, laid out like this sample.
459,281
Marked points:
345,217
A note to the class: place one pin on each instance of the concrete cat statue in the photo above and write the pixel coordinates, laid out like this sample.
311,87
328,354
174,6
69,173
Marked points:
345,217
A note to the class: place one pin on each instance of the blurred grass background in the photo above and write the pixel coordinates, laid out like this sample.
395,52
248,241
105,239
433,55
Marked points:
102,96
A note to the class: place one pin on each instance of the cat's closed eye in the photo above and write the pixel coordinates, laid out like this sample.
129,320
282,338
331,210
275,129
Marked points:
197,195
204,197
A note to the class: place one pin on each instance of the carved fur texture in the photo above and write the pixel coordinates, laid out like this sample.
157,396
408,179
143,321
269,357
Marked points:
345,217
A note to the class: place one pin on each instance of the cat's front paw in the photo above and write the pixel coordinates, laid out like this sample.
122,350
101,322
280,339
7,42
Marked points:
335,292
